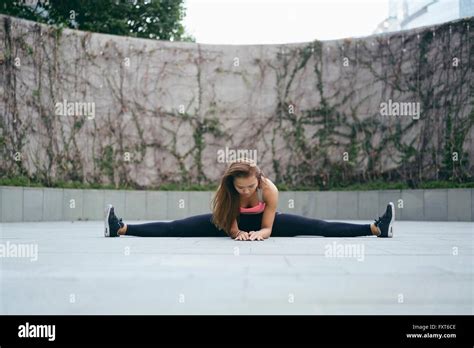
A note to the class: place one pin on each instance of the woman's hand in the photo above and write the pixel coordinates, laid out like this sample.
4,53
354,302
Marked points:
242,236
255,235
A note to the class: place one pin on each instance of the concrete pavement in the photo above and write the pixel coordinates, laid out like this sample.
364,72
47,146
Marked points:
426,269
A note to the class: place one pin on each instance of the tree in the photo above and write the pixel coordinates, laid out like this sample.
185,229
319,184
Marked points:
151,19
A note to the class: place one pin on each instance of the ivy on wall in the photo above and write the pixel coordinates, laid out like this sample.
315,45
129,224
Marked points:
162,110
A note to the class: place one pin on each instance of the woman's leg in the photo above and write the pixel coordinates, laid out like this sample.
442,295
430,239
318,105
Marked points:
193,226
289,225
249,222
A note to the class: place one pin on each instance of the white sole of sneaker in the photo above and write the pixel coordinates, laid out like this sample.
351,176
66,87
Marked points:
106,221
390,225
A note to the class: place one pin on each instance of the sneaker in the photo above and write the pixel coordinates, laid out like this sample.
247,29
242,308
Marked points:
386,222
112,223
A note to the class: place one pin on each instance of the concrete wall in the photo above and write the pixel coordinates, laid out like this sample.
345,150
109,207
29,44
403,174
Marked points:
174,107
50,204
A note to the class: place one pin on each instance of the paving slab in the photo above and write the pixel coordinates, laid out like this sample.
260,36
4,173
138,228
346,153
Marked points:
427,268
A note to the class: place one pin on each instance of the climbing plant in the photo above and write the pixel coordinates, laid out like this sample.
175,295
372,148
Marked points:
157,112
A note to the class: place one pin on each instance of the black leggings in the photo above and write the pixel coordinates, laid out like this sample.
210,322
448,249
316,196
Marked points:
284,225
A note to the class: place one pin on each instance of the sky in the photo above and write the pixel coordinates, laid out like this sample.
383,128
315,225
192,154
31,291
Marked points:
240,22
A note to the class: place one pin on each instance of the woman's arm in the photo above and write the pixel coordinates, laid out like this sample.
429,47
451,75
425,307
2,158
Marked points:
271,202
236,233
234,230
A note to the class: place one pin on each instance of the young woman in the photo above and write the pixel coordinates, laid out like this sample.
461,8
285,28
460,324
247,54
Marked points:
245,208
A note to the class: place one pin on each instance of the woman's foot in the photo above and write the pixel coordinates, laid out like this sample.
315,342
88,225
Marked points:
386,222
374,229
113,225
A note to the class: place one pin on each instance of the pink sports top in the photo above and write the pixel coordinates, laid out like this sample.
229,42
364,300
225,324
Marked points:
256,209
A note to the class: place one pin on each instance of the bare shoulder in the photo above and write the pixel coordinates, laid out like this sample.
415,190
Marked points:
270,191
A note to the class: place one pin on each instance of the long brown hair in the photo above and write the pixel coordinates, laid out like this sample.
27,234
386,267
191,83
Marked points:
226,201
